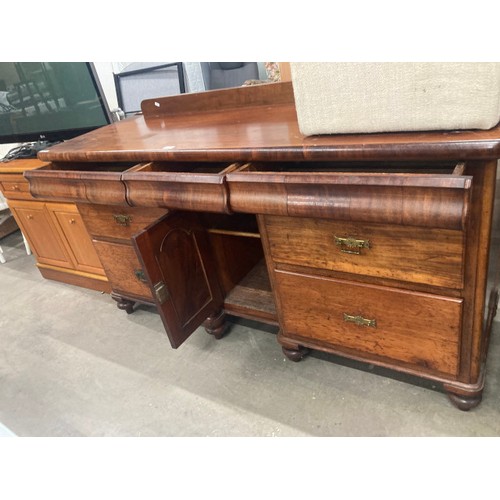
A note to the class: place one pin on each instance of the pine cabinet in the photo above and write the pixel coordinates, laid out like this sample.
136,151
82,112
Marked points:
55,232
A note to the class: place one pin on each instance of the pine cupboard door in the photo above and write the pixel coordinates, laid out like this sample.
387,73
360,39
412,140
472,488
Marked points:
176,258
75,237
35,222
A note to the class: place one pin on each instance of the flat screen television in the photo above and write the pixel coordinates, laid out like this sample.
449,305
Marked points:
49,101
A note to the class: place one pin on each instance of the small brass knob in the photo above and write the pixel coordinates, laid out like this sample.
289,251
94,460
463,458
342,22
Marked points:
72,221
29,217
16,187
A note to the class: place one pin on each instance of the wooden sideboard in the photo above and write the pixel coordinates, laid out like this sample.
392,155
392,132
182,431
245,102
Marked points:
374,247
55,231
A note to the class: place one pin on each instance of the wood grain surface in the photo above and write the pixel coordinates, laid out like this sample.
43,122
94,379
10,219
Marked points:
234,127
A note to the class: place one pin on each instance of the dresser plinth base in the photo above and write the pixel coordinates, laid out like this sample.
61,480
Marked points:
84,280
465,397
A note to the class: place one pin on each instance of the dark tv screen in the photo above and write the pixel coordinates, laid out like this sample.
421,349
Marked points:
49,101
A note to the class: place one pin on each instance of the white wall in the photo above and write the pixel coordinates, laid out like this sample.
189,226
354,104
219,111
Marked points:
105,72
5,148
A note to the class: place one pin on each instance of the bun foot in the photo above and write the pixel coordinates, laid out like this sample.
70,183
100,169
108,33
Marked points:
464,402
124,304
295,354
216,324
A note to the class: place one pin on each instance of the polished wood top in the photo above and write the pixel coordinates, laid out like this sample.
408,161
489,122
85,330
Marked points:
255,123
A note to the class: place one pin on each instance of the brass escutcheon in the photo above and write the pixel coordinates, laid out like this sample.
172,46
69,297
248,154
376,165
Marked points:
360,321
123,220
351,245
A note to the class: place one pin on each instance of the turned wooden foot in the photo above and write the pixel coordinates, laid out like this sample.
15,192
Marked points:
464,402
216,324
295,354
124,304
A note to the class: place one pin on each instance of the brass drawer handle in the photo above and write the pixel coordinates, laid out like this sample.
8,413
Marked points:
139,274
15,187
122,220
360,321
351,245
29,217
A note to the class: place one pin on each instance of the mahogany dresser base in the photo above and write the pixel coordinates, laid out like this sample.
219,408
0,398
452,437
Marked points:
374,247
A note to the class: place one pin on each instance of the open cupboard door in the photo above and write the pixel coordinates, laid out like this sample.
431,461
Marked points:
176,258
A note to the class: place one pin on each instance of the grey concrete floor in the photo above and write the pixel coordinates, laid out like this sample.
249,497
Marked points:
72,364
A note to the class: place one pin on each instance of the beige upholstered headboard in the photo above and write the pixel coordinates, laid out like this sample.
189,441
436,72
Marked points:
389,97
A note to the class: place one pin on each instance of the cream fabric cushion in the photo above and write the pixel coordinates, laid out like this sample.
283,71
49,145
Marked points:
385,97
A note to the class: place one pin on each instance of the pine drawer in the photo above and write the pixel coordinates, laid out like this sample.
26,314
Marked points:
15,187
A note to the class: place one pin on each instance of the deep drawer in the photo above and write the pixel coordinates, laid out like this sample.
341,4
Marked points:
413,254
415,330
117,222
122,268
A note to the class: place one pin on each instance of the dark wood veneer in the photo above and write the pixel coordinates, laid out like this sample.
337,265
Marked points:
238,129
420,205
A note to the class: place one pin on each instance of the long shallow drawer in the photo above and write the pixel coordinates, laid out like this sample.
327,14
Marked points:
117,222
79,182
413,254
417,330
15,187
196,186
406,194
122,268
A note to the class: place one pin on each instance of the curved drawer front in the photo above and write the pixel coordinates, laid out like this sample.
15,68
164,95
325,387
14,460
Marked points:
409,329
412,199
412,254
88,183
185,186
